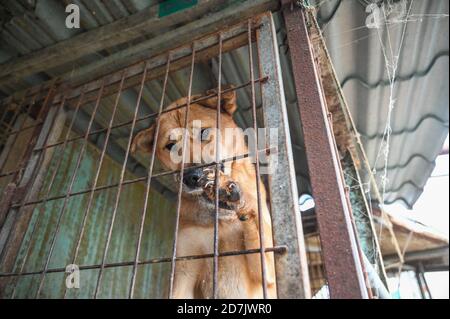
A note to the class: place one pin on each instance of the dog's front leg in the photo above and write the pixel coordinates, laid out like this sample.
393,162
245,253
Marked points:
185,280
248,215
187,272
246,207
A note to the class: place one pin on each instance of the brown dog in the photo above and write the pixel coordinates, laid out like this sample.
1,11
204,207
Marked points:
238,276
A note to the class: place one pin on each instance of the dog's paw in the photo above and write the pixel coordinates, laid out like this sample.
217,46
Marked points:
244,212
229,191
230,197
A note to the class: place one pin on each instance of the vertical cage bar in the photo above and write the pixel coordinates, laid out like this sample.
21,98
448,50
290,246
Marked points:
149,181
345,278
419,283
6,151
122,176
97,174
9,142
427,287
423,284
4,160
68,191
216,176
9,128
291,267
4,104
258,182
180,184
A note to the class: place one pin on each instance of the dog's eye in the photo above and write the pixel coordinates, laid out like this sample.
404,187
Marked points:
169,146
204,134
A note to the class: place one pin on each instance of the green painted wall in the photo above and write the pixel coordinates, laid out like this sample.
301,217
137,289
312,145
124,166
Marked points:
152,280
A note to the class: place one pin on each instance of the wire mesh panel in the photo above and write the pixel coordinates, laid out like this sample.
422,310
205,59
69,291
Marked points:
108,196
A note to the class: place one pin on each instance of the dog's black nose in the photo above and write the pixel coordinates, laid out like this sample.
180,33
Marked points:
191,178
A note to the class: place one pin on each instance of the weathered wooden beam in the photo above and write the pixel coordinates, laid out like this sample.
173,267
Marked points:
412,257
126,29
133,79
233,12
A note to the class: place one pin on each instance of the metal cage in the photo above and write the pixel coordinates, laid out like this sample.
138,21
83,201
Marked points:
74,196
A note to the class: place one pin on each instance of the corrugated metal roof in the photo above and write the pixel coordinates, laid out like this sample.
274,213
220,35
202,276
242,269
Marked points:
421,113
419,119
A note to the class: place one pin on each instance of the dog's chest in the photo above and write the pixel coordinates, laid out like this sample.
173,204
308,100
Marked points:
232,279
232,270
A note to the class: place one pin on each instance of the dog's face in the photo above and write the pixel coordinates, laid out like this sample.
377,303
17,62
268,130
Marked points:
200,138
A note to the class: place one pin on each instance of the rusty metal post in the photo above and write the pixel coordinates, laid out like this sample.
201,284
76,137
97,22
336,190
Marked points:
291,267
342,262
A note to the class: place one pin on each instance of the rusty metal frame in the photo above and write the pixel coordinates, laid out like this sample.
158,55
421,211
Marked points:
341,255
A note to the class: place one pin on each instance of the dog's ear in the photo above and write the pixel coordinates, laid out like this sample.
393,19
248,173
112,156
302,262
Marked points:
227,100
143,141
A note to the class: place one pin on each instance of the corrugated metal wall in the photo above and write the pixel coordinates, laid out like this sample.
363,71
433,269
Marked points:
151,281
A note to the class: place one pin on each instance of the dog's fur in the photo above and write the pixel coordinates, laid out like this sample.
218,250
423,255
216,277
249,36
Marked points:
239,276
